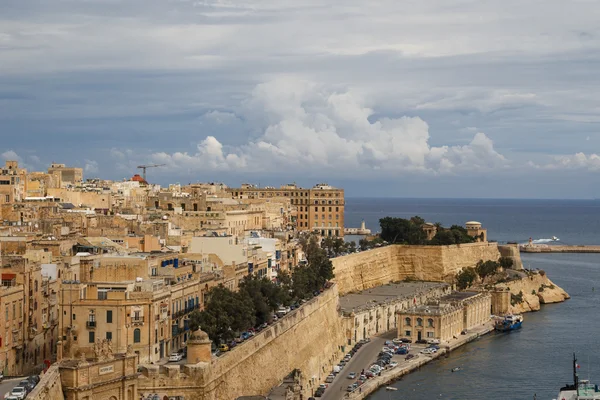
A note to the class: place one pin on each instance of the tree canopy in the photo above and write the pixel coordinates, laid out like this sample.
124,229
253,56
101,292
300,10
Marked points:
410,231
227,314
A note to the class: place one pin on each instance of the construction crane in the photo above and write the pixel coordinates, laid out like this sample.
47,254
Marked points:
143,168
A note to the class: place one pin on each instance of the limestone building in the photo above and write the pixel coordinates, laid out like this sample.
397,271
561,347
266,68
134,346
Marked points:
68,175
319,209
474,229
446,317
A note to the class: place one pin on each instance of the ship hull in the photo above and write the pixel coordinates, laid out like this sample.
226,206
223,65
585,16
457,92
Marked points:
508,327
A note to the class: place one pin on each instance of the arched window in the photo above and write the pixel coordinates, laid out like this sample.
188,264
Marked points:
137,335
419,321
430,323
407,321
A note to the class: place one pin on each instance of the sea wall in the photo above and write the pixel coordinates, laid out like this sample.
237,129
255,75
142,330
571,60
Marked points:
379,266
309,339
49,387
534,289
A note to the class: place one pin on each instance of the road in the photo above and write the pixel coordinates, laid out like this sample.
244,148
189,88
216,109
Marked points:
363,359
7,385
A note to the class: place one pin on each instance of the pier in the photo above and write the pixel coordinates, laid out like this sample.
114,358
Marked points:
536,248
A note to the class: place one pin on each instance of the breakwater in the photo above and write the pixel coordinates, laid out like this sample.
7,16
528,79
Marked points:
559,248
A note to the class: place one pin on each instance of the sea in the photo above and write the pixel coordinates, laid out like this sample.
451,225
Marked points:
534,362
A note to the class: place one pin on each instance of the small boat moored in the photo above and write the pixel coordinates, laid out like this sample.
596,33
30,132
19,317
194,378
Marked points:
391,388
509,323
455,369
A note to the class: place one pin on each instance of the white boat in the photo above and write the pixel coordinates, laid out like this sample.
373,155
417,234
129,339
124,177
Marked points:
391,388
580,389
555,239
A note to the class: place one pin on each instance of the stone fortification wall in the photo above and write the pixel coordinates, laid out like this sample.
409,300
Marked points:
512,251
49,387
309,339
379,266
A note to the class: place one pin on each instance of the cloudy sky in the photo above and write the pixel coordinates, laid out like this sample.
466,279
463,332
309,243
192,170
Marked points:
438,98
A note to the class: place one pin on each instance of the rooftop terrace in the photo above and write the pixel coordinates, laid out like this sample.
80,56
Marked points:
386,293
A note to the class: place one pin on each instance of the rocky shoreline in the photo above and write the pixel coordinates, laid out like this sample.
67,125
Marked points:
531,291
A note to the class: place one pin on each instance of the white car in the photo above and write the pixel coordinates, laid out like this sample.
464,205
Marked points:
176,357
393,364
19,392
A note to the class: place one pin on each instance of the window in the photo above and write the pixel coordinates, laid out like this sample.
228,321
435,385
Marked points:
73,317
137,336
108,335
109,317
316,209
419,321
337,208
407,321
92,336
329,209
7,198
430,323
429,334
323,209
14,311
406,333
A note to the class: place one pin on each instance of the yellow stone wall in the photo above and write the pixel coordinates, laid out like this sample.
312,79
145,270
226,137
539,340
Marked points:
376,267
49,387
308,339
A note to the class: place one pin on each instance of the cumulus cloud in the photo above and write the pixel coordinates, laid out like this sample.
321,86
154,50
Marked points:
309,127
580,160
91,167
10,155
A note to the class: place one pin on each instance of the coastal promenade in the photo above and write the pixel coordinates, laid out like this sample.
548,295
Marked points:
559,248
404,367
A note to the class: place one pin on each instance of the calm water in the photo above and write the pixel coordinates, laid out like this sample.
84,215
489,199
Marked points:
536,359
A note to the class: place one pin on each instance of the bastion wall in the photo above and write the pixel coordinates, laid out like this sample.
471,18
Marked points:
392,263
49,387
309,339
313,338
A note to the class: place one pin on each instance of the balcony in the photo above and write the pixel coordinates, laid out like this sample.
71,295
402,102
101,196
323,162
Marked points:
90,324
137,321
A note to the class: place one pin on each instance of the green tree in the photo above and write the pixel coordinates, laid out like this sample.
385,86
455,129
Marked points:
465,278
486,268
265,295
226,314
399,230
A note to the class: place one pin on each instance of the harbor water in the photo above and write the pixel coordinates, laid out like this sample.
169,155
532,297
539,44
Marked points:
536,360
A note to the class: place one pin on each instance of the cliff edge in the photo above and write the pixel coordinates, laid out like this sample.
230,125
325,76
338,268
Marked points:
532,290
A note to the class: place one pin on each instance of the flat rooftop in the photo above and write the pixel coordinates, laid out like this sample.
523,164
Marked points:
386,293
457,296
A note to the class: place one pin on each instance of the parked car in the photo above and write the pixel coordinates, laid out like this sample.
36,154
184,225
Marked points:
393,364
433,341
175,357
319,392
406,340
19,392
330,378
421,341
350,388
10,397
409,356
323,386
27,384
223,347
352,375
397,341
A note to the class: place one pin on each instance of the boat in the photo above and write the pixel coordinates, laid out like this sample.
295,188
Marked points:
391,388
455,369
509,323
555,239
581,389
